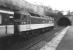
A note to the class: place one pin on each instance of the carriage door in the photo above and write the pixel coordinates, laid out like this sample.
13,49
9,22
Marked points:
2,27
10,25
28,21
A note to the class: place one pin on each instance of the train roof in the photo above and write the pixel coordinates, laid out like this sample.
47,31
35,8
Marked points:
7,12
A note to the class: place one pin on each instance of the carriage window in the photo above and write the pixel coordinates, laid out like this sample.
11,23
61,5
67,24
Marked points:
0,19
11,17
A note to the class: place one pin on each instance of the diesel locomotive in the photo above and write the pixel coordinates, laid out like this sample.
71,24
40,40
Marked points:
12,23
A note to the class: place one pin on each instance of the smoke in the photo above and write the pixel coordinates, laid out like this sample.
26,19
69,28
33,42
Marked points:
22,5
14,4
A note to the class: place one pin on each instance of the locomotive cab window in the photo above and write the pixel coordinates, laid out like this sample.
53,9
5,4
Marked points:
25,19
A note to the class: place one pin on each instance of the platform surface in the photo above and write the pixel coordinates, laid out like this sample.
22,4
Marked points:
36,43
67,41
53,43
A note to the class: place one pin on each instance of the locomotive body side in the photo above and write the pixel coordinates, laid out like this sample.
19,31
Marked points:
33,25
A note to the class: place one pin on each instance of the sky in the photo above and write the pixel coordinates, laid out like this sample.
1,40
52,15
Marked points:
64,5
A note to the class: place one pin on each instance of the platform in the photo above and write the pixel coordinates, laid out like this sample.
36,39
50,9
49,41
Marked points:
53,43
67,41
36,43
